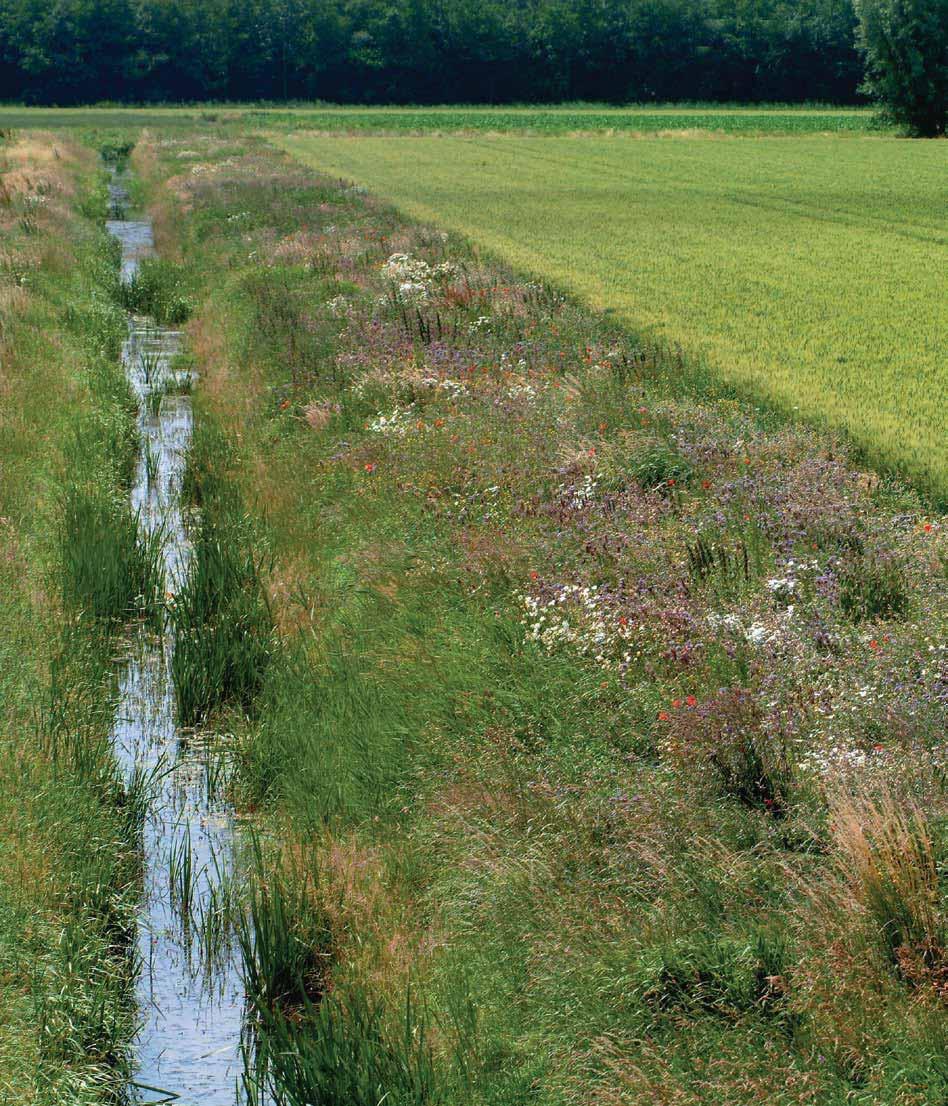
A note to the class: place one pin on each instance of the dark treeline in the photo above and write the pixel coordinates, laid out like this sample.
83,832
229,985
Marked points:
427,51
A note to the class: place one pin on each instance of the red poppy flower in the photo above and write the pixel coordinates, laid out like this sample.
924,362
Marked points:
370,467
874,645
691,701
676,703
663,716
705,484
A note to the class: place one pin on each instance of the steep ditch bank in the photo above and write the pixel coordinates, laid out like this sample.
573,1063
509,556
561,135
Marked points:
69,828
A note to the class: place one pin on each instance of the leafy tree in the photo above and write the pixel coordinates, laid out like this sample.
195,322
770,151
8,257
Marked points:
905,43
428,51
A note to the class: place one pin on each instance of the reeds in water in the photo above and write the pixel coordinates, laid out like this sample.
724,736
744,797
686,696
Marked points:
221,617
111,568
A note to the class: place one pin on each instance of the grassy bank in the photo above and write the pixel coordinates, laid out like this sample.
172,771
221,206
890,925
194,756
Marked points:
598,751
70,570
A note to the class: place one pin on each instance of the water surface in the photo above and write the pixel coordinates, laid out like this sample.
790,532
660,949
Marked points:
188,1050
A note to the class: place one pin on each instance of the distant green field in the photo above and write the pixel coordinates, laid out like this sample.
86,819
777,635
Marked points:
813,270
540,120
563,120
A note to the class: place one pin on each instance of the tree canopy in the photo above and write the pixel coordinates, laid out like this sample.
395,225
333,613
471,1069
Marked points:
906,48
428,51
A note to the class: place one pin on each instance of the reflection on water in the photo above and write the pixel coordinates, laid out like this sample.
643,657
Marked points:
190,990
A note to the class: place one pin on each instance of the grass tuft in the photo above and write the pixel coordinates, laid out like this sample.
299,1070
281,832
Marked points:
111,568
892,865
221,617
159,288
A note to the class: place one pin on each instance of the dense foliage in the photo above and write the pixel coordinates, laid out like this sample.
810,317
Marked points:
906,48
428,50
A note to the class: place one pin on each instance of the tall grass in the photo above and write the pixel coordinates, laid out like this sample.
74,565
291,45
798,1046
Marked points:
70,827
564,661
159,288
221,617
287,944
341,1052
111,568
313,1046
893,867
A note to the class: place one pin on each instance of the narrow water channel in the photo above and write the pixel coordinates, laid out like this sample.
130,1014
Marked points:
191,1002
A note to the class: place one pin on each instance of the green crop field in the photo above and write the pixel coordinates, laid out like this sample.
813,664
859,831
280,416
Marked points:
813,270
637,119
576,118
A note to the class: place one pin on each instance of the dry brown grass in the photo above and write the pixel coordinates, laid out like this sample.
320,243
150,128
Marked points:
39,161
886,863
163,209
373,920
233,394
629,1074
318,415
295,606
871,933
13,300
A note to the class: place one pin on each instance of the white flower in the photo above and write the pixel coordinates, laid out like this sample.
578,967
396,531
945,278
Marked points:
781,583
577,617
397,423
579,495
454,388
412,291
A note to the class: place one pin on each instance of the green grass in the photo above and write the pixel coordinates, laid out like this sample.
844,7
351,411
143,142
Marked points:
542,119
567,118
221,618
588,856
581,720
110,569
158,288
811,272
69,827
